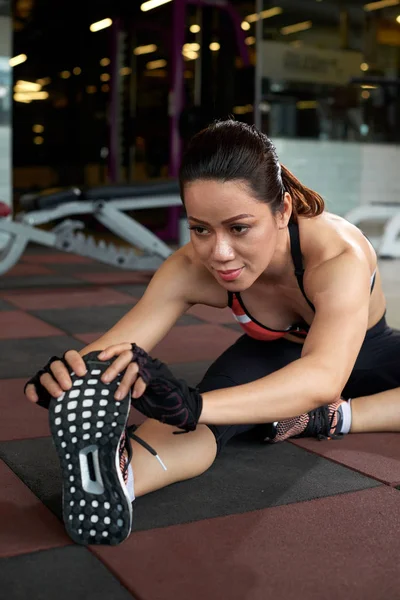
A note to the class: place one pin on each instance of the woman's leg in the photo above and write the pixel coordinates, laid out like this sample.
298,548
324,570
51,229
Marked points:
191,454
376,413
185,456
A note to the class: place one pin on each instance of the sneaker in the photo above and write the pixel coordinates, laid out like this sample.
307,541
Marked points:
322,423
88,427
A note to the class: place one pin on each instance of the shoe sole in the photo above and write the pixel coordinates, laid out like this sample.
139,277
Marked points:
87,424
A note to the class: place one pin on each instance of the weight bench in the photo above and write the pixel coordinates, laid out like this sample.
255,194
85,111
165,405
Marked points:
386,245
107,204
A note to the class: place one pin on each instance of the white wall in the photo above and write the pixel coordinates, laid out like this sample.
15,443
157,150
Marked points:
345,174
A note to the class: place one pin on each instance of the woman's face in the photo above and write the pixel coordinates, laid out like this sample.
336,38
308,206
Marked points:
234,235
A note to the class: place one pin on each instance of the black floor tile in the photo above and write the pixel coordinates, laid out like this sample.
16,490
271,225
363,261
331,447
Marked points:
26,356
70,573
5,306
47,281
93,319
247,476
134,289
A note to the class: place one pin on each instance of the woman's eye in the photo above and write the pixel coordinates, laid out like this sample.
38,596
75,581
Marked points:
240,228
197,229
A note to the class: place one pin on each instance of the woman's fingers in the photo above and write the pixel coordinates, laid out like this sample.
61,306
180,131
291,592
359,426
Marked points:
76,362
139,388
51,385
114,350
118,365
61,375
127,382
30,393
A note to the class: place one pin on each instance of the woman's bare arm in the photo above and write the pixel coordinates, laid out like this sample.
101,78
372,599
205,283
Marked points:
172,290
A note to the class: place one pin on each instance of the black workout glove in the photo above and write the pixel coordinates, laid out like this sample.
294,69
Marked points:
43,394
166,398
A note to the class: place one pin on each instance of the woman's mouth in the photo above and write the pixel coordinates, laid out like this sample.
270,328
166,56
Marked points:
230,275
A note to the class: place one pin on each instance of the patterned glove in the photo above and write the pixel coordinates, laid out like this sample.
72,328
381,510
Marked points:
166,398
43,394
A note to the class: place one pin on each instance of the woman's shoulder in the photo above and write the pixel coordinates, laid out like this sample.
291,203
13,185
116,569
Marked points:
204,289
328,235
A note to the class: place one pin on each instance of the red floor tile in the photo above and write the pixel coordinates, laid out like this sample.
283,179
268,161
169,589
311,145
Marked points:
69,298
189,343
346,546
22,270
26,525
60,258
114,278
16,324
374,454
212,315
20,419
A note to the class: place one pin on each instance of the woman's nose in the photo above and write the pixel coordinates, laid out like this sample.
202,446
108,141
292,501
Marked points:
222,250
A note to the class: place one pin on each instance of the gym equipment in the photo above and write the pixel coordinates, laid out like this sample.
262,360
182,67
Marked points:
106,204
387,245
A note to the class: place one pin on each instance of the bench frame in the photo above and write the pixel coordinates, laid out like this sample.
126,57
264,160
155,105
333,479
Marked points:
387,245
148,251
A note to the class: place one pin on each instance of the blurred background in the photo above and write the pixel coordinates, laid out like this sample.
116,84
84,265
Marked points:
110,91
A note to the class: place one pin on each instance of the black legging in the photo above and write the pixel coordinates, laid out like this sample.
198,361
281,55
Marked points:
377,369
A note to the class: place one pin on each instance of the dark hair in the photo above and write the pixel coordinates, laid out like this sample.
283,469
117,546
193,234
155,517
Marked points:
234,151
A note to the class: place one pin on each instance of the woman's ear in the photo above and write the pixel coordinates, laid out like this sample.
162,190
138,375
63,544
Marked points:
283,216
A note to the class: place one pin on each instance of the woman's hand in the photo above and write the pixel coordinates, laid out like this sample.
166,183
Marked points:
54,378
124,362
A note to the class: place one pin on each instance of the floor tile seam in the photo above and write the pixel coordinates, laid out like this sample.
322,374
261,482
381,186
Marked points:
66,544
26,439
338,462
125,583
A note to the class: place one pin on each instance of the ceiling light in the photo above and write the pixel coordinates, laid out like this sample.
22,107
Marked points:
152,4
77,71
214,46
17,60
381,4
27,86
249,41
105,62
38,140
190,54
145,49
156,64
28,96
100,25
65,74
264,14
195,47
104,77
296,27
194,28
245,25
364,66
125,71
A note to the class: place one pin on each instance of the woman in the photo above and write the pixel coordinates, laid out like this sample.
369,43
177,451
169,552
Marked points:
305,287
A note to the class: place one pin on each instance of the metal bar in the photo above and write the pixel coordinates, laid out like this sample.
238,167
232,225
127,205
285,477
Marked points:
258,67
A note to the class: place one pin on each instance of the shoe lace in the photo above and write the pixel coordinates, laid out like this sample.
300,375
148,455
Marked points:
320,425
130,434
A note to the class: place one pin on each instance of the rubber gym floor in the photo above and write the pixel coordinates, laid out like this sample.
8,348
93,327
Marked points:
300,520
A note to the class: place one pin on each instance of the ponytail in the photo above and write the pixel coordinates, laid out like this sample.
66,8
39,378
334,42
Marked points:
306,202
